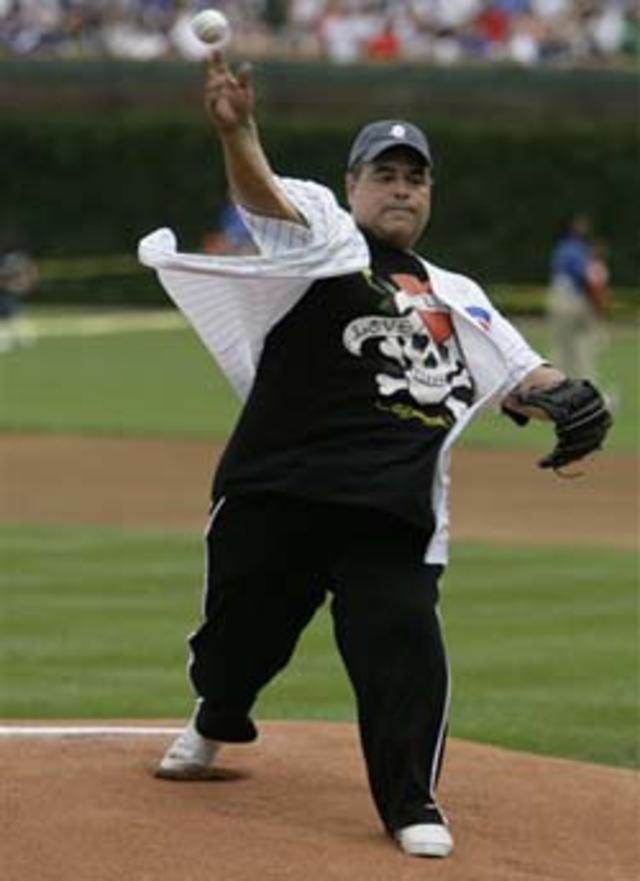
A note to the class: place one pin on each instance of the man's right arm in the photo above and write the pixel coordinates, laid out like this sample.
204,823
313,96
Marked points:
229,101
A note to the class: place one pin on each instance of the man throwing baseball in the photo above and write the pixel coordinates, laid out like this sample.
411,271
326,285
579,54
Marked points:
359,363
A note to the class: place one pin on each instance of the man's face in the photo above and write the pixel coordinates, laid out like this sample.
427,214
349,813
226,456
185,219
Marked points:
391,196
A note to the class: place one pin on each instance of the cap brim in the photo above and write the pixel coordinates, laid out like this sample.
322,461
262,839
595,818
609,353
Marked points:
389,144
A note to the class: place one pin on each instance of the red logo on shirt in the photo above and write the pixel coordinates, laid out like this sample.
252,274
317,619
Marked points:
436,320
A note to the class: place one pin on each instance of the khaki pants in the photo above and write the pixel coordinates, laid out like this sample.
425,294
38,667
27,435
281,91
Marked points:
576,333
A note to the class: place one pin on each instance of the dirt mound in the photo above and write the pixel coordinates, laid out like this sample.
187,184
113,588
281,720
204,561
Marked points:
88,808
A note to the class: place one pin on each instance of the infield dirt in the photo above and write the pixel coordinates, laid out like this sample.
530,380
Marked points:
498,495
90,810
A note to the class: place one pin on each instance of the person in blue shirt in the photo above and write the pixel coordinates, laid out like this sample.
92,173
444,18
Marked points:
231,235
573,312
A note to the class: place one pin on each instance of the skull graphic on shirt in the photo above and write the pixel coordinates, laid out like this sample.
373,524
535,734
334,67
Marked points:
430,372
420,357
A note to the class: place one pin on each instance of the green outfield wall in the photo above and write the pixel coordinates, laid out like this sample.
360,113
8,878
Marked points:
555,96
96,155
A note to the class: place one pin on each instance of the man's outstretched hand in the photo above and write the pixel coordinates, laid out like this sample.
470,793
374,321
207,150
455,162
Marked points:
229,98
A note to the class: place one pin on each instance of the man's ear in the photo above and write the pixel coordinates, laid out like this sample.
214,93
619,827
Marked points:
350,182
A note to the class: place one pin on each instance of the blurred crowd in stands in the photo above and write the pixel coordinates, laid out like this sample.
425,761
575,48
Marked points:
526,32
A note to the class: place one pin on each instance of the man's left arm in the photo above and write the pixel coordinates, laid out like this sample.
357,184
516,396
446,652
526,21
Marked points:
540,377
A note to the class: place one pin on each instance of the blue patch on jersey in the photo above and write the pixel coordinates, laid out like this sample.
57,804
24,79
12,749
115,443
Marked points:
481,315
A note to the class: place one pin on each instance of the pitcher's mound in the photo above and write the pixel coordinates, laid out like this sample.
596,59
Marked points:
297,807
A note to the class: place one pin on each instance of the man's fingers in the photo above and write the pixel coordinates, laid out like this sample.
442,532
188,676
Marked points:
216,63
219,80
228,98
245,75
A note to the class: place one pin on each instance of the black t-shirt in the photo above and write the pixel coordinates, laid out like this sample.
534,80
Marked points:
356,389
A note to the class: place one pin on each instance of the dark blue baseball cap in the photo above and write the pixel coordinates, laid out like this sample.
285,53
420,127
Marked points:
377,137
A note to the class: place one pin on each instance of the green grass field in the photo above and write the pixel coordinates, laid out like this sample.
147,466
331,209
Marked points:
543,641
164,382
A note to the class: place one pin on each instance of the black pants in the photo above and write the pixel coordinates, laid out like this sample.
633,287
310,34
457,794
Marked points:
271,562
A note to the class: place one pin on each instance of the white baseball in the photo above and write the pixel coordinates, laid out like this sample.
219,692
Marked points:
212,27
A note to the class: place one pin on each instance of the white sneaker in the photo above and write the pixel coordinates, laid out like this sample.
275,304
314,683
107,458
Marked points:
425,840
189,757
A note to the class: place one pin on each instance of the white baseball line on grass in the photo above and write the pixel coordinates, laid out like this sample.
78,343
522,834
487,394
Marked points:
82,730
99,325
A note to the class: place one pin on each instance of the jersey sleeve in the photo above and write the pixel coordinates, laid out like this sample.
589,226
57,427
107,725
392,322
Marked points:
517,353
327,223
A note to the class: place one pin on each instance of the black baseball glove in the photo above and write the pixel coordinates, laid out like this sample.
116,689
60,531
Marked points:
580,416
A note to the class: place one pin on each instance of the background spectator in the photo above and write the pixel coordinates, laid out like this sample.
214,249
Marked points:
578,298
18,278
230,236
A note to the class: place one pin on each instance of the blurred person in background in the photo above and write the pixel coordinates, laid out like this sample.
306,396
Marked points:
598,279
385,45
346,27
578,298
137,30
30,26
18,278
605,27
231,235
303,23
